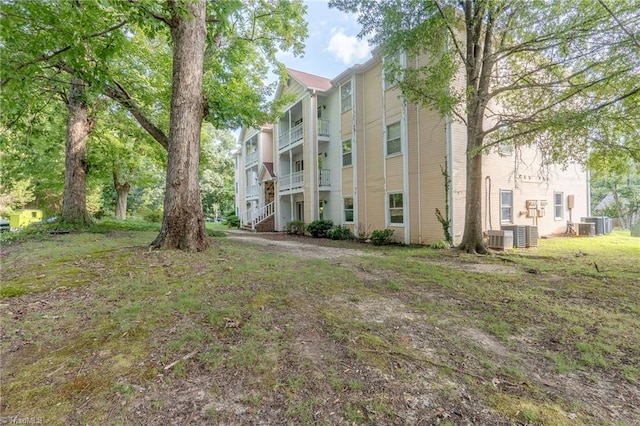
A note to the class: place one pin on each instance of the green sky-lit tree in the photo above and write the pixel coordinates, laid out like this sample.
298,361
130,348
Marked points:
561,75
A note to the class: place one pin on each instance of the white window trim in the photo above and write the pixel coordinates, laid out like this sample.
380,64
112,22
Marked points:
556,217
510,207
342,108
345,153
386,140
388,209
386,85
344,209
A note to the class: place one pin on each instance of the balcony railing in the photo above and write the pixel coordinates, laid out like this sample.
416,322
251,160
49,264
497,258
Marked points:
291,182
290,137
323,127
251,159
324,178
252,191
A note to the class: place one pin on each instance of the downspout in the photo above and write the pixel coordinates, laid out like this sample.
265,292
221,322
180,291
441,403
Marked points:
406,202
354,155
419,178
313,185
449,165
384,156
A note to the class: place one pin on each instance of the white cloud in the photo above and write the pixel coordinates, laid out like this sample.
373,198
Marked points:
347,48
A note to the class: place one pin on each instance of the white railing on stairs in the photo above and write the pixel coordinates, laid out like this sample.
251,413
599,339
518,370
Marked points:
252,217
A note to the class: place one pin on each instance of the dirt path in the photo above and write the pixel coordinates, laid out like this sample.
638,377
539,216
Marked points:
296,245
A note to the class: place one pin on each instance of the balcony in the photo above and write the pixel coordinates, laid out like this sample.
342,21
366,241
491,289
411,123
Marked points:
252,191
323,127
324,181
251,159
291,182
290,137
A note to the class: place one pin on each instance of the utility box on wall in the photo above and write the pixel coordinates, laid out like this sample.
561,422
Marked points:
571,201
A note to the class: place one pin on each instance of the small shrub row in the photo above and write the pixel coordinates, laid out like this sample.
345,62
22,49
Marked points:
340,233
232,221
320,229
296,227
381,237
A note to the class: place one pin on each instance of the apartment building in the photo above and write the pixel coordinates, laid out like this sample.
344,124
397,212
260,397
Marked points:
353,151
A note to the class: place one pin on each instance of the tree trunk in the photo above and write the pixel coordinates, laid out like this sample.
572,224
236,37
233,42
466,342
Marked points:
183,220
79,126
472,241
122,192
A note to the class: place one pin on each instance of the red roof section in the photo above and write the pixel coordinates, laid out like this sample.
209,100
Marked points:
310,80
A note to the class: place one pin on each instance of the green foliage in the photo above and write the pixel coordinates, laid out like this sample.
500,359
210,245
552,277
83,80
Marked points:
622,190
232,221
151,215
340,233
217,171
444,220
319,228
382,237
16,197
296,227
440,245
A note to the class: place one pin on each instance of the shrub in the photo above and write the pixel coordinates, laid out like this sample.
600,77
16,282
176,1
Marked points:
440,245
232,221
150,215
363,233
381,237
296,227
319,228
340,233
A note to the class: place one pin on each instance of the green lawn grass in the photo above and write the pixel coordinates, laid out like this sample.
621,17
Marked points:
94,325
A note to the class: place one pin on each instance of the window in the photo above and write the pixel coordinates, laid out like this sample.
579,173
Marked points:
506,206
348,209
396,210
393,139
391,65
558,205
345,96
299,165
252,145
346,153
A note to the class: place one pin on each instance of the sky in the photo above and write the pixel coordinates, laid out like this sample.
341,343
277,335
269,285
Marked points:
332,45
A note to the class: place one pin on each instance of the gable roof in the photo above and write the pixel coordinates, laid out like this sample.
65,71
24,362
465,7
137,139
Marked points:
310,81
266,172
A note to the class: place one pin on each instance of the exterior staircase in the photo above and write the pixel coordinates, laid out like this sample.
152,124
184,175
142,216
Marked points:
260,220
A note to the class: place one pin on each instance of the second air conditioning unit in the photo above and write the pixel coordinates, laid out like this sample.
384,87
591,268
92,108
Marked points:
519,234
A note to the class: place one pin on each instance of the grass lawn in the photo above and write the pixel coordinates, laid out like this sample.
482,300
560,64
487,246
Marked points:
96,329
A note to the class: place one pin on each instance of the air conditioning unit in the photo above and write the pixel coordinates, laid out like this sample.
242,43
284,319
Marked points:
531,235
586,229
598,221
502,240
519,234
